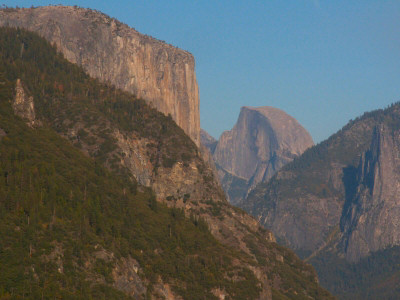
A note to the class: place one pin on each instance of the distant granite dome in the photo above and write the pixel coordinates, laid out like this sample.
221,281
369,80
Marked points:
262,141
111,51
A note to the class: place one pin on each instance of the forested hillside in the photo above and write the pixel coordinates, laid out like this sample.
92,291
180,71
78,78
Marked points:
69,226
336,205
75,223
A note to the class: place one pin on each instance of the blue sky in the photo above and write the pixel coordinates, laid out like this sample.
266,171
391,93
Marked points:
323,62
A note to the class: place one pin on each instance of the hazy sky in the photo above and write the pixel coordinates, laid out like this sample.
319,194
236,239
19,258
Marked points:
323,62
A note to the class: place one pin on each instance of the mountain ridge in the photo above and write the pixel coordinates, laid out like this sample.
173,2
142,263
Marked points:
335,205
101,120
262,141
160,73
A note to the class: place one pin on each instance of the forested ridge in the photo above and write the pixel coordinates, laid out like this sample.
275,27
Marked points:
72,218
59,207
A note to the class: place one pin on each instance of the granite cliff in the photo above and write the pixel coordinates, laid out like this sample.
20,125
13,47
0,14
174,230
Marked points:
371,220
161,74
262,141
337,206
123,137
306,201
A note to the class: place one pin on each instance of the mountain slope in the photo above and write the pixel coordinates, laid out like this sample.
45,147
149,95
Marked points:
161,74
336,205
371,220
136,142
81,231
208,141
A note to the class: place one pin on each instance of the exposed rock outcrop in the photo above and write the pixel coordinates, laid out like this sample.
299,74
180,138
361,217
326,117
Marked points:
113,52
126,278
135,141
262,141
341,195
372,219
208,141
23,104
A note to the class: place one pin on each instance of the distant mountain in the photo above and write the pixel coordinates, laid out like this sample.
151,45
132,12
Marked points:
371,218
337,206
262,141
208,141
104,197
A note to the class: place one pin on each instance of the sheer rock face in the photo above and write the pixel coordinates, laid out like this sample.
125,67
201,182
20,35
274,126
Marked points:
342,196
372,220
261,142
113,52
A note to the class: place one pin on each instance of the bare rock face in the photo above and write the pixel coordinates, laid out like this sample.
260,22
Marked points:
372,220
126,278
23,104
157,153
113,52
208,141
340,196
262,141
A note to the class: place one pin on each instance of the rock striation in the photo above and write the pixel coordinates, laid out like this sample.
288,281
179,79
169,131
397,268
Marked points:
262,141
371,221
111,51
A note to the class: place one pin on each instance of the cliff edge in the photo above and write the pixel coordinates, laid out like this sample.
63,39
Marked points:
161,74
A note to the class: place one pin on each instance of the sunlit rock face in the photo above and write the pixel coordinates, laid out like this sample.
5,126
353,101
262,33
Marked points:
113,52
262,141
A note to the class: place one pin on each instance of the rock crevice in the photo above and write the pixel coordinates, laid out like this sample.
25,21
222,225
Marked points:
372,220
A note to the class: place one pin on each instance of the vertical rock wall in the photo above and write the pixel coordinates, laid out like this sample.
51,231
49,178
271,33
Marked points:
113,52
372,220
260,143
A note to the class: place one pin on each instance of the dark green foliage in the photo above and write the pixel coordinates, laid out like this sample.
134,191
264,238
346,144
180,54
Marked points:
343,147
65,96
54,199
310,177
374,277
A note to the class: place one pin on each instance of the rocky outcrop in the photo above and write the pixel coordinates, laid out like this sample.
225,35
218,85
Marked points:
262,141
113,52
23,104
371,221
137,142
304,202
235,188
207,140
340,195
126,278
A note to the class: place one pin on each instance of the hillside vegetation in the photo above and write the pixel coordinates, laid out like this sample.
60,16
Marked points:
306,203
60,210
75,223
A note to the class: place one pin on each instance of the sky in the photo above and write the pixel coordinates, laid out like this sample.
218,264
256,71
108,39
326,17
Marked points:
322,62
